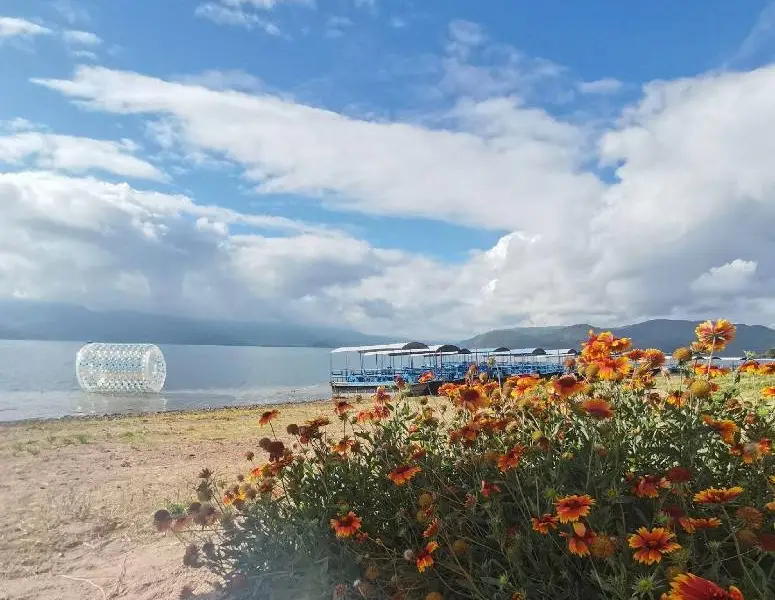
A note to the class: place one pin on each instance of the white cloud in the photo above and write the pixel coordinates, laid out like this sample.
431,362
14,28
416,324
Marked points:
730,278
266,4
84,54
14,27
83,240
516,154
694,191
759,44
76,154
235,15
81,38
601,86
72,11
17,124
234,79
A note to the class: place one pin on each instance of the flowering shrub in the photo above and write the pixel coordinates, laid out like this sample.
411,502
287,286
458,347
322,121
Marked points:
617,480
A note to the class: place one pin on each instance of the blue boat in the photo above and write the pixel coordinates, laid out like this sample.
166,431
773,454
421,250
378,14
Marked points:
384,365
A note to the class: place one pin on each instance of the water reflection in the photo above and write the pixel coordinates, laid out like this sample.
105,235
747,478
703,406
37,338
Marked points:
99,404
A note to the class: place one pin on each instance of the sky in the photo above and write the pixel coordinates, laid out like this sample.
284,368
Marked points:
428,169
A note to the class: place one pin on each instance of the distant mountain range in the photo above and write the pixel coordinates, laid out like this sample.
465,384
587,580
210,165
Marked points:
664,334
25,320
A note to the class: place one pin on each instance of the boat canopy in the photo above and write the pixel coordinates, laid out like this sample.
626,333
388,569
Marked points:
527,351
498,350
382,348
427,351
562,352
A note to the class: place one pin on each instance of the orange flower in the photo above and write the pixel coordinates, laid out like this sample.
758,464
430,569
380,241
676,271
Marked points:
342,407
381,395
598,408
365,416
687,586
650,546
603,546
752,518
602,345
268,416
567,385
749,366
682,354
544,523
402,474
432,529
752,451
767,368
572,508
613,369
654,358
715,336
711,371
676,398
717,496
424,558
448,389
426,377
692,525
471,398
648,486
581,539
511,458
523,383
347,525
380,411
678,474
769,392
766,542
488,488
343,446
724,427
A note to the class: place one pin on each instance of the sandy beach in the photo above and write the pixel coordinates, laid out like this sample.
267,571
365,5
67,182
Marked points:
78,496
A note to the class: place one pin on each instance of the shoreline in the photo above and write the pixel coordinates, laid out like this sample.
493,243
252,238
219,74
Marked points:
175,411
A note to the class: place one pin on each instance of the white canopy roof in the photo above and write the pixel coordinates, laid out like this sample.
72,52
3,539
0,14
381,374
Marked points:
427,351
397,347
527,351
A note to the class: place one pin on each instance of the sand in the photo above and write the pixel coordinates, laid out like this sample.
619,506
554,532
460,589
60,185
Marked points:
77,496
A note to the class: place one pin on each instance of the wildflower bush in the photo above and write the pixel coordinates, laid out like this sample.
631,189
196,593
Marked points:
616,480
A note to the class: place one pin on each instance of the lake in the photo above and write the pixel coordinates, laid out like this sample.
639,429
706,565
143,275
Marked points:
37,379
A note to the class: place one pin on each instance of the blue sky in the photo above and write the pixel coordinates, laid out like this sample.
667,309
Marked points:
460,144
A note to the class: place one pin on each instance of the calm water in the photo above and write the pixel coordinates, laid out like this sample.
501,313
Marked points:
37,379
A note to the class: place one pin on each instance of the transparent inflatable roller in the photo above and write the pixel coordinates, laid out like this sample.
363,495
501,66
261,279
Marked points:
121,368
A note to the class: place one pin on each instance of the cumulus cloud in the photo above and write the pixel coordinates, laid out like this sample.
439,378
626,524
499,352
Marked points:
81,38
681,229
76,154
15,27
601,86
379,168
693,191
111,245
732,277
